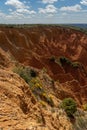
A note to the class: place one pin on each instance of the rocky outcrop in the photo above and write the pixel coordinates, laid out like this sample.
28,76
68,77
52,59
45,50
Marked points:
43,41
16,101
19,108
37,47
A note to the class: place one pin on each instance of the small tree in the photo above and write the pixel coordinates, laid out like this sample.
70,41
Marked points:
70,106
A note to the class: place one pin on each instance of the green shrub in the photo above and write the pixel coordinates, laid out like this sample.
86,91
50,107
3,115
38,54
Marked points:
64,60
69,105
38,90
36,86
22,72
25,73
33,73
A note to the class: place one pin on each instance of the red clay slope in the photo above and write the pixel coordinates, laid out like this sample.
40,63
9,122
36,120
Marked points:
36,45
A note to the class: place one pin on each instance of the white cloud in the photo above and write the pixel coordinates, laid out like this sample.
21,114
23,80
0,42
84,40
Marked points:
15,13
74,8
2,14
84,2
49,9
64,14
49,1
23,10
15,3
49,15
20,11
20,7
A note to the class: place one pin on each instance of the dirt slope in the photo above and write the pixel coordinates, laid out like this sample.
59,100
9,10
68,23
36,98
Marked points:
20,110
37,44
35,47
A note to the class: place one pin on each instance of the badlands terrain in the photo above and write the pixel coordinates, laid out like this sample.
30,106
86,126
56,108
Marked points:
39,67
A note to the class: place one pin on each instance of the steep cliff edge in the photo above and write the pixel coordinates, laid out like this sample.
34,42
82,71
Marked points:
41,48
35,46
19,108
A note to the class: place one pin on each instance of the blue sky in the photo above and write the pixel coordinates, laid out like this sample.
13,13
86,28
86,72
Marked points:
43,11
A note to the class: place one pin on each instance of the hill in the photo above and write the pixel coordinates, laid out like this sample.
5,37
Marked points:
39,67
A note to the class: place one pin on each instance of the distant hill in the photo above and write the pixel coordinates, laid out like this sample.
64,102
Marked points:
84,26
79,27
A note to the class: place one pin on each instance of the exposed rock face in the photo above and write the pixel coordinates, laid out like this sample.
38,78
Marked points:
34,47
36,44
42,42
20,110
16,101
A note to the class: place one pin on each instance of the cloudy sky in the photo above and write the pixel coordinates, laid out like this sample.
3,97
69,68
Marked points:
43,11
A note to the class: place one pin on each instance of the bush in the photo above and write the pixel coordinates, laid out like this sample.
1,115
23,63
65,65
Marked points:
25,73
64,60
33,73
69,105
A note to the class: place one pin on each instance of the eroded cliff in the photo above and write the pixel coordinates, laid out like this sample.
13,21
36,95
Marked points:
35,47
41,47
